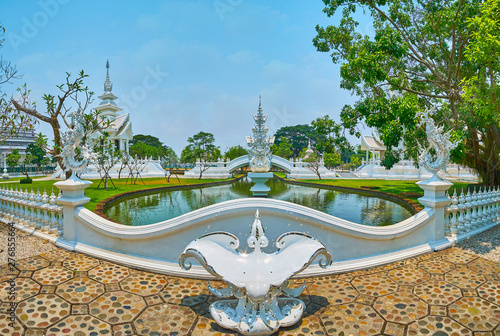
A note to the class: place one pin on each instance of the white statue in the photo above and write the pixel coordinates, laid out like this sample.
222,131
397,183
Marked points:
438,140
72,139
251,304
260,154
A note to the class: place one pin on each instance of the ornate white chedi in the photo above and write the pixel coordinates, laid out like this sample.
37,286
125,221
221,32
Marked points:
439,141
255,280
260,152
120,129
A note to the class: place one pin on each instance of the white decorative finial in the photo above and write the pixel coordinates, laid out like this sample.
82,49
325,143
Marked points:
107,83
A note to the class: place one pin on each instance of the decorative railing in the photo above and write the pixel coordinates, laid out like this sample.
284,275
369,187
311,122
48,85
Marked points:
38,211
472,209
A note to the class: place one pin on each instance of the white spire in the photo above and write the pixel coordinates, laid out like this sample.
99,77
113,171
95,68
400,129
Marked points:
107,83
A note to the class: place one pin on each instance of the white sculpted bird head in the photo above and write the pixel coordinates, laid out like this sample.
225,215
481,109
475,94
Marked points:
256,278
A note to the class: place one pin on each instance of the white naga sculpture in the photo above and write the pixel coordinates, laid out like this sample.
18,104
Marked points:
254,280
438,140
72,139
260,152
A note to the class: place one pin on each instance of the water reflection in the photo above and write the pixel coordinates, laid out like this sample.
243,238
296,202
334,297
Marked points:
357,208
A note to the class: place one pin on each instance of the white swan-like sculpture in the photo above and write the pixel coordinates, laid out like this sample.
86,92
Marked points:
438,140
254,280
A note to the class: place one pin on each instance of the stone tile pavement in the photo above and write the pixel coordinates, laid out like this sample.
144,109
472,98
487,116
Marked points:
452,292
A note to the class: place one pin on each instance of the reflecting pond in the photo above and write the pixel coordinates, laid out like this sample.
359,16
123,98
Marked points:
358,208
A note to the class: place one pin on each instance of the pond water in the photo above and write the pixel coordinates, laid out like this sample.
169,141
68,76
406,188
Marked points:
160,206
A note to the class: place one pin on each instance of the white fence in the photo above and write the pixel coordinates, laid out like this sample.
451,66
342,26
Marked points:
156,247
473,209
33,210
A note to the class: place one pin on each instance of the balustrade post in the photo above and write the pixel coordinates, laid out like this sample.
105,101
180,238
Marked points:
454,214
469,209
434,197
73,195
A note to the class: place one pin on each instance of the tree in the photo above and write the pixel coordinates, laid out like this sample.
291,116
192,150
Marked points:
143,150
283,148
332,135
234,152
417,58
14,159
11,122
105,156
150,146
298,136
332,159
314,163
38,156
202,150
58,111
354,161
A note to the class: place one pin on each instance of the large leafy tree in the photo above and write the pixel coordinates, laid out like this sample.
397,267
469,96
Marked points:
298,137
415,59
201,147
283,148
150,146
235,151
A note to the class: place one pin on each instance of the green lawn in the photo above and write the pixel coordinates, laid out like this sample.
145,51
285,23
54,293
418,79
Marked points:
408,189
97,195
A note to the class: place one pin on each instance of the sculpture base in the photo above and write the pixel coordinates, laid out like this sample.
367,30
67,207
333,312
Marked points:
260,189
231,314
5,176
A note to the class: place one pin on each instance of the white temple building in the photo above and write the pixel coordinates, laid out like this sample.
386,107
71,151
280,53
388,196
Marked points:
120,130
405,169
120,133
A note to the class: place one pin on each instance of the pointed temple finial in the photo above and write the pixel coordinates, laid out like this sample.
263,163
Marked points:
107,84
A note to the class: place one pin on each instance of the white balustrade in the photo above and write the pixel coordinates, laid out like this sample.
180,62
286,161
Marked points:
473,209
34,210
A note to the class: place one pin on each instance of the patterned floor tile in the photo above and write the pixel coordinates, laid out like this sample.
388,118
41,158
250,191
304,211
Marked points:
374,284
32,264
394,329
438,310
58,254
437,325
332,292
80,325
207,327
437,292
409,275
80,262
143,283
385,268
42,310
490,291
186,292
109,273
7,273
400,307
464,278
475,313
117,307
52,275
165,319
458,256
25,288
123,330
80,290
307,326
6,328
484,266
436,266
352,318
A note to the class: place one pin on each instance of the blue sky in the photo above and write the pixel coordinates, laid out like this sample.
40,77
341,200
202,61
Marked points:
180,67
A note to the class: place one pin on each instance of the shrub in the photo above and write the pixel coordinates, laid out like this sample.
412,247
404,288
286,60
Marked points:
26,181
